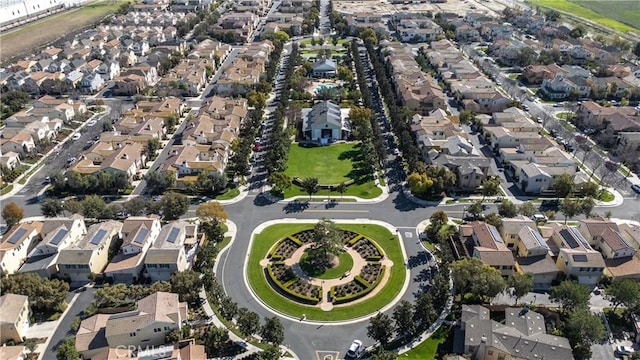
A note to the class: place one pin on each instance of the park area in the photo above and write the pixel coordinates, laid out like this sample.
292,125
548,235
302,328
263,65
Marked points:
618,15
331,165
31,36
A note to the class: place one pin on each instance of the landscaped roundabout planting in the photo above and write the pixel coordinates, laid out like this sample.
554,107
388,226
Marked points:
293,272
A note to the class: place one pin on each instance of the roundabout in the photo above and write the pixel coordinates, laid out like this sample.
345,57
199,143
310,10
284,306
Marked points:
291,273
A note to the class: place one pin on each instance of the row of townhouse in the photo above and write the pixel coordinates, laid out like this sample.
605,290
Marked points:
533,160
289,22
188,78
38,125
625,77
242,24
417,90
207,140
619,127
66,248
245,70
411,27
258,7
124,149
596,247
468,85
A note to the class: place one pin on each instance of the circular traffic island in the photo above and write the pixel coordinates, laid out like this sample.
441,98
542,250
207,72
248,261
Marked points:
326,271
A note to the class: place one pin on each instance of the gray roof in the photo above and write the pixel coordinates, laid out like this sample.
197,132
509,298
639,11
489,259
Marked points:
322,114
324,65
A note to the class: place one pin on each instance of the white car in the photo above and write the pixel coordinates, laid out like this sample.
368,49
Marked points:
91,123
355,350
624,350
76,136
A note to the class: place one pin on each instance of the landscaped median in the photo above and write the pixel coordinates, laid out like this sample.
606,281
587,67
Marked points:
275,242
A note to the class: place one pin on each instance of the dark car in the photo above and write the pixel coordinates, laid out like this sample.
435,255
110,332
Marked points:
636,188
549,205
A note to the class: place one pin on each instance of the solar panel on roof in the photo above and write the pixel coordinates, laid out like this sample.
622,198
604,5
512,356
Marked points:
97,238
142,234
173,235
17,235
580,258
568,238
59,236
495,234
539,239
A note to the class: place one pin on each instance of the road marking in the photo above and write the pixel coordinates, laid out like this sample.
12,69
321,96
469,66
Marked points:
327,355
408,235
347,211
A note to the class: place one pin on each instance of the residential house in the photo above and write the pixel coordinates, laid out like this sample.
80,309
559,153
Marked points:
563,87
128,159
85,259
21,143
18,352
14,317
10,160
156,315
536,74
522,335
575,257
15,245
483,241
92,83
138,234
56,234
172,251
325,122
605,236
470,171
324,68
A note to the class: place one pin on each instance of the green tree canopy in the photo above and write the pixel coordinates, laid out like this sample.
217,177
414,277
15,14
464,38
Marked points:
380,328
272,331
248,321
527,209
570,208
310,185
624,292
570,294
564,185
522,284
507,209
472,275
187,284
44,294
174,205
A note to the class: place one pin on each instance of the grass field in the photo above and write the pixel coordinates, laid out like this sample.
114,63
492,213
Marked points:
30,36
606,12
269,236
427,349
330,164
345,264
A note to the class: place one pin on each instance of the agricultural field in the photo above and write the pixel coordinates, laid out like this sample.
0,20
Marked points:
621,15
33,35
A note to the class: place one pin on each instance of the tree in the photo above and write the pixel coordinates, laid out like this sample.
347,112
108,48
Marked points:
380,328
586,206
44,294
153,145
93,206
527,209
382,354
368,34
31,345
403,317
419,184
570,294
67,350
327,243
159,181
522,284
135,206
211,182
564,185
424,313
211,212
589,189
174,205
216,339
12,214
310,185
439,219
623,292
443,178
248,322
272,353
51,207
583,327
186,283
493,219
507,209
272,331
475,209
342,188
279,181
569,208
228,308
73,206
472,275
490,187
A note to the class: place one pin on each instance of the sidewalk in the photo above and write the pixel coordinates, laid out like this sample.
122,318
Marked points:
251,349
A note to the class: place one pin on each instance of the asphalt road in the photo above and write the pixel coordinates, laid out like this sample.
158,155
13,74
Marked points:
64,327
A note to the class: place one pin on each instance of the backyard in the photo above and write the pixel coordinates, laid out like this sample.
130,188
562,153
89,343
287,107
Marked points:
38,33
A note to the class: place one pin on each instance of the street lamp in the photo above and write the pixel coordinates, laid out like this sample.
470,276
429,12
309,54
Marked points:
464,211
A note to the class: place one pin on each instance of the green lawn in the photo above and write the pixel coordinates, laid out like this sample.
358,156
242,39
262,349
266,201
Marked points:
229,194
269,236
345,263
427,349
367,190
6,189
606,196
619,10
605,15
330,164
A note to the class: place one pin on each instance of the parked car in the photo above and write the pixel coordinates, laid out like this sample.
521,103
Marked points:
76,136
91,123
539,218
636,188
558,105
624,350
355,350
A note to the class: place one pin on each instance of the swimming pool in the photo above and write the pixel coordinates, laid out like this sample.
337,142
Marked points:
319,87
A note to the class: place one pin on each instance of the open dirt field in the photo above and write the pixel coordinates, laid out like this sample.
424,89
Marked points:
26,38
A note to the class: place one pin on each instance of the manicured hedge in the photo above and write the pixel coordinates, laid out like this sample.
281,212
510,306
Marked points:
298,181
284,288
355,240
368,288
295,240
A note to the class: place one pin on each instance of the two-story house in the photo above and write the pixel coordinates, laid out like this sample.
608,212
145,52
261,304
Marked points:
15,245
14,317
172,250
